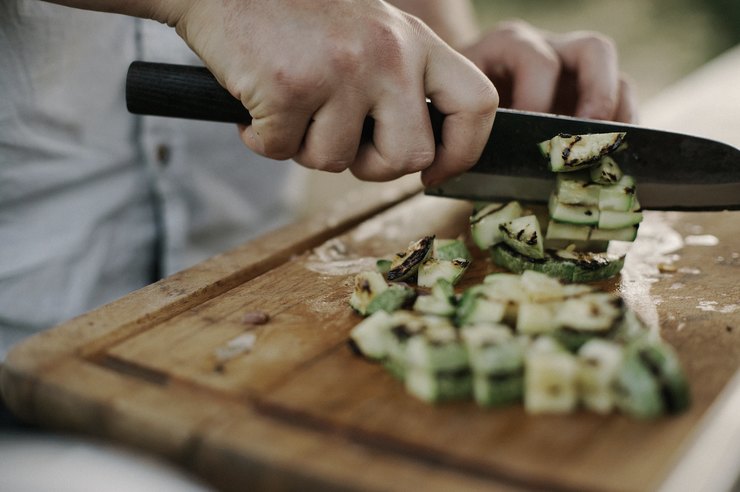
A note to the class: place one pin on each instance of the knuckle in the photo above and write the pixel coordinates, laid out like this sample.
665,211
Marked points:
513,28
345,57
416,160
388,44
487,100
597,43
324,162
291,85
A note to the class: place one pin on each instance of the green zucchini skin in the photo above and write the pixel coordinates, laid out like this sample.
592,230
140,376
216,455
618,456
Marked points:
569,270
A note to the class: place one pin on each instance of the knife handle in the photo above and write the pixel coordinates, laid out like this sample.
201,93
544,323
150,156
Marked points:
184,91
181,91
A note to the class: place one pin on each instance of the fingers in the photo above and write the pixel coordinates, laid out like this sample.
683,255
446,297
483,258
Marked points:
518,54
402,141
469,101
333,137
627,106
593,58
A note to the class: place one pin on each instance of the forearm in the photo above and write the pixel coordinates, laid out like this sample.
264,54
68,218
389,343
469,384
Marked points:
161,10
453,20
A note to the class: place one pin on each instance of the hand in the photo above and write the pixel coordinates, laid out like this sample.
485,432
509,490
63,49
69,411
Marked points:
310,71
575,73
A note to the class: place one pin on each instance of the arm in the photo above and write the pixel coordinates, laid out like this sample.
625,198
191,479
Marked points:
310,71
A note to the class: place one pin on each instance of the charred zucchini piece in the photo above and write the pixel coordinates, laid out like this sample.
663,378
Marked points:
439,386
440,301
663,363
596,312
537,318
450,249
636,389
383,265
476,307
391,299
586,267
606,172
566,265
573,214
549,378
438,348
571,232
572,152
618,197
598,363
369,337
628,233
368,285
497,362
574,191
609,219
433,269
406,264
437,365
484,224
523,235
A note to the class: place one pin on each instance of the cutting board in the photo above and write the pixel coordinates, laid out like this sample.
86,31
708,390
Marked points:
156,369
161,369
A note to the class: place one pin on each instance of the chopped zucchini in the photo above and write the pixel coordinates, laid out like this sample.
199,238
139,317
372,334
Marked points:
599,360
573,214
549,380
476,307
368,335
576,192
571,232
439,302
450,249
484,224
383,265
406,264
433,269
606,172
572,152
618,220
618,197
367,286
636,389
439,348
565,265
523,235
663,363
391,299
628,233
439,386
497,361
594,312
537,318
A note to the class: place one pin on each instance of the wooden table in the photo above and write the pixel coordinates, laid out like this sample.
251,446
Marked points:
299,411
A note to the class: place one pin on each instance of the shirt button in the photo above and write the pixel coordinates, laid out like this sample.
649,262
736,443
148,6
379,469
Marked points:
163,154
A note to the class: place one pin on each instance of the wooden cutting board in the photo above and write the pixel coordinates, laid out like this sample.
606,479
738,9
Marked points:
299,410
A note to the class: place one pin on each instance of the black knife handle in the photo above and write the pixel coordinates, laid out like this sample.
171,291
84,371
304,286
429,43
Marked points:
181,91
184,91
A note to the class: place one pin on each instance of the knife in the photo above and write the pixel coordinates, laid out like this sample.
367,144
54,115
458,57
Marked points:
673,171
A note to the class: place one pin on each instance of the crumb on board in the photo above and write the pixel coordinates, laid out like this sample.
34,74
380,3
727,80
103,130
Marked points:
255,318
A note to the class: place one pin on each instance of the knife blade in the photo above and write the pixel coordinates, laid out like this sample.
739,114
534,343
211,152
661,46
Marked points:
673,171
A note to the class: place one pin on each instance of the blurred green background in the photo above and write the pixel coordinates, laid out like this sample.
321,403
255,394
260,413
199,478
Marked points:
659,41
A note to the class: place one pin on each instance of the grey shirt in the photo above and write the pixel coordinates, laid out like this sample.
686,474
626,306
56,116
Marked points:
95,202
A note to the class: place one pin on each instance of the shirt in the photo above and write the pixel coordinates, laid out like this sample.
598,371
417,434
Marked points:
96,202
